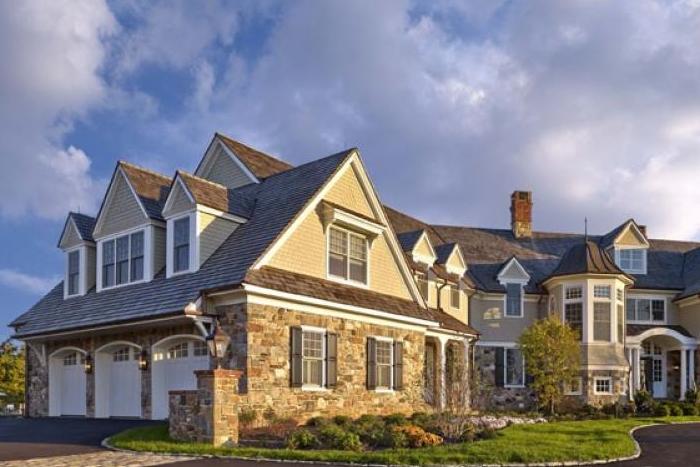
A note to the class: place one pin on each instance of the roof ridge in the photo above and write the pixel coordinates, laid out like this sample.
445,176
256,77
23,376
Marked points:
143,169
345,153
221,135
200,179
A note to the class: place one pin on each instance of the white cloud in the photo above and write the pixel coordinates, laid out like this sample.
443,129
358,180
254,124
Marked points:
51,52
27,283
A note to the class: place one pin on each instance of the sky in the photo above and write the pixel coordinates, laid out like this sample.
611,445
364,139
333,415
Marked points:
592,105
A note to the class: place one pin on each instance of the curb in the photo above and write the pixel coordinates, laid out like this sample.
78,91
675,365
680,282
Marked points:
637,453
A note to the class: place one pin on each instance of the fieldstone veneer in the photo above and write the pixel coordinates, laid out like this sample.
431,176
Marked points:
260,348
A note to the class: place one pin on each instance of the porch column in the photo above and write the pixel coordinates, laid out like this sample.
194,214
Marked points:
684,372
691,370
443,372
630,379
637,372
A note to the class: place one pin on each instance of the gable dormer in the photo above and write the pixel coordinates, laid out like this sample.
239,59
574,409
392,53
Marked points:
233,164
78,244
513,277
628,245
450,256
130,229
200,215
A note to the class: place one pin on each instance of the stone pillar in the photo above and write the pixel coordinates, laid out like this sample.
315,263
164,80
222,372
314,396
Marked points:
684,372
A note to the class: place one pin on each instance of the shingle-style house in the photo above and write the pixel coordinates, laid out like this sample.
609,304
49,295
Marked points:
335,303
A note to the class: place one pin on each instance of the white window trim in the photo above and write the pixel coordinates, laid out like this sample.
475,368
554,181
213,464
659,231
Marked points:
427,280
324,354
602,378
581,300
522,299
459,291
368,248
505,368
82,272
643,269
170,242
390,389
651,313
568,389
147,256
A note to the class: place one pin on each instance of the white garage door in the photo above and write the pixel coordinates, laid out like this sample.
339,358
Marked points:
125,384
72,384
174,370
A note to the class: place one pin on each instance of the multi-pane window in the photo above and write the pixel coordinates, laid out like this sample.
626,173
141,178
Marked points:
181,244
513,367
121,355
312,358
620,323
384,358
601,291
514,299
601,321
573,293
573,316
123,259
632,259
199,349
644,309
657,370
423,287
73,272
347,255
602,385
178,351
70,359
455,297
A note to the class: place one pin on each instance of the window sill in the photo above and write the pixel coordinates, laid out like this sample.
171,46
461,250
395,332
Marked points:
353,283
314,389
111,287
384,391
514,386
513,316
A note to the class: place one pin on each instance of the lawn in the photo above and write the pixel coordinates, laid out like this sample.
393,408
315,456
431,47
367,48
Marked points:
548,442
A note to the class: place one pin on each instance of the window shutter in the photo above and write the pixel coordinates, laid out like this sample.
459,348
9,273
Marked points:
499,366
371,363
331,360
296,353
398,365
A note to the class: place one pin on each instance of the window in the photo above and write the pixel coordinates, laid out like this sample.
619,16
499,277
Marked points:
620,323
602,385
181,244
573,387
632,260
384,367
73,272
513,367
312,358
646,310
657,370
455,298
573,316
573,293
424,287
620,295
199,349
178,351
514,299
70,359
601,321
601,291
123,259
121,355
347,255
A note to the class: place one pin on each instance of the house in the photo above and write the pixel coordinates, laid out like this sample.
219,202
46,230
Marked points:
299,266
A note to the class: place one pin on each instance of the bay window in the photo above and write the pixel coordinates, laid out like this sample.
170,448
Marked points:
573,308
601,321
347,256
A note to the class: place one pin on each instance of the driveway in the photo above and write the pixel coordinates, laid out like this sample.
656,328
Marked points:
667,445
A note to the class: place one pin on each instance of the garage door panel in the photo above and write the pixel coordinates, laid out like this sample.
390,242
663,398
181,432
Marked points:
73,386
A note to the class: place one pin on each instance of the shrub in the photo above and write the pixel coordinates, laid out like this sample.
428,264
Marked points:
662,410
644,402
302,439
269,414
318,422
690,409
371,430
396,419
469,434
342,420
246,417
487,433
417,437
676,410
691,396
394,437
590,411
334,437
420,419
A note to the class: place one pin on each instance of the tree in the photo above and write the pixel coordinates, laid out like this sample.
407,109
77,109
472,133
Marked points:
553,356
11,373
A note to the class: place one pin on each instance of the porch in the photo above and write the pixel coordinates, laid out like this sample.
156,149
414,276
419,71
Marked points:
446,371
662,361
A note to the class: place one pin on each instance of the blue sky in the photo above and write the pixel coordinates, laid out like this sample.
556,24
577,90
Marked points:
595,106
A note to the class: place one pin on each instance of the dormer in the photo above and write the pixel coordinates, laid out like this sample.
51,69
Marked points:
513,277
78,244
233,164
200,215
628,245
450,256
417,245
130,229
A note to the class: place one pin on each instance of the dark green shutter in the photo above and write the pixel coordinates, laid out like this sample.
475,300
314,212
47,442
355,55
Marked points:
371,363
499,366
398,365
296,354
331,360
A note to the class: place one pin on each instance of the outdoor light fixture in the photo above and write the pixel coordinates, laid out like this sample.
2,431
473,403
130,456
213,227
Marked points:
143,360
218,342
88,364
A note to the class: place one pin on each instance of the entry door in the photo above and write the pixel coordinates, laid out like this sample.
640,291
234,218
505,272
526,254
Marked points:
125,384
72,386
659,376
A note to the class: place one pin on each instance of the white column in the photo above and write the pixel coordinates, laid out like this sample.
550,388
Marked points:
630,381
443,371
684,372
691,370
637,369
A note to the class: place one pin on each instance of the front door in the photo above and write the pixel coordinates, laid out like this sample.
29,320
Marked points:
658,376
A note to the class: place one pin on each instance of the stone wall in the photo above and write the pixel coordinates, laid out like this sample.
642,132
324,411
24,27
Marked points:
619,382
37,394
500,398
260,348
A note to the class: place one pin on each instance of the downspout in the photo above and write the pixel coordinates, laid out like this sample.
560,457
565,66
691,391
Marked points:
439,293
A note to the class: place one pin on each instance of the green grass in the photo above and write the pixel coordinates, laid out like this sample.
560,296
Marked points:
548,442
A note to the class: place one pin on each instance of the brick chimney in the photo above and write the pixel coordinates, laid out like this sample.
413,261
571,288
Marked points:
521,214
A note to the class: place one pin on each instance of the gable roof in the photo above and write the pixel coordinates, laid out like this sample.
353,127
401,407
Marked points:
83,224
408,240
609,238
215,195
260,164
151,188
444,251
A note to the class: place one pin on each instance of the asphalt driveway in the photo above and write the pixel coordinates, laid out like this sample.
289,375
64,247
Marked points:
29,438
667,445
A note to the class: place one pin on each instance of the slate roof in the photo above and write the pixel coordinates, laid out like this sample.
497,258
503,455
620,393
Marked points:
444,251
260,164
408,240
278,199
84,224
151,187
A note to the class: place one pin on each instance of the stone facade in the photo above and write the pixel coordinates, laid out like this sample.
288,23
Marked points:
501,398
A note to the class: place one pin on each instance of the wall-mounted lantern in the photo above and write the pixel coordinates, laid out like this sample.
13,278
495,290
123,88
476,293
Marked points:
143,360
218,342
88,364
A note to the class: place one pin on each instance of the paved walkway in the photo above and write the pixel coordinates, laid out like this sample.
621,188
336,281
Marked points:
95,459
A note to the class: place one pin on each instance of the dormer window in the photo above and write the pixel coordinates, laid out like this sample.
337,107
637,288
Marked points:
123,260
181,244
514,300
347,256
73,273
632,260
